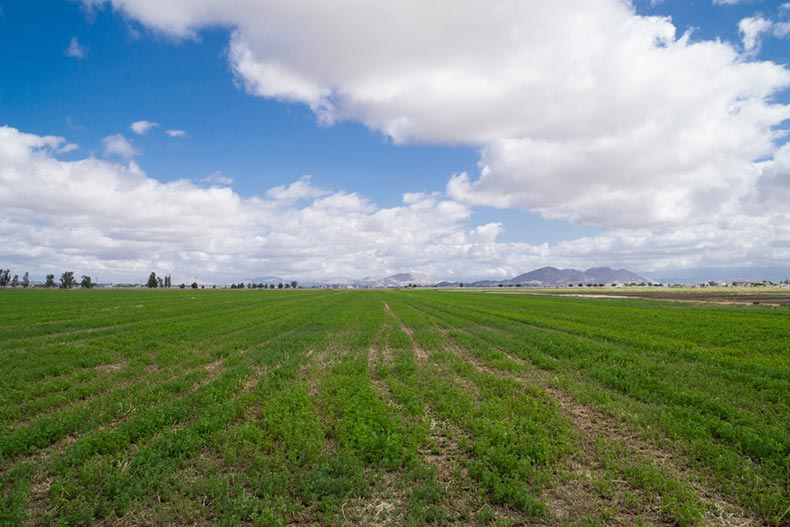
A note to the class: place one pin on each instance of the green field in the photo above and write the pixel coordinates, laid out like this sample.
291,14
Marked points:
203,407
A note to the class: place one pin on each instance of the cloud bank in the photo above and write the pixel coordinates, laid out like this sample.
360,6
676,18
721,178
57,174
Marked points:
113,220
583,111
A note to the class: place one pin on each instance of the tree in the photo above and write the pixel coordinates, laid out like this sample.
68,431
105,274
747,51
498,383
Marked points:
194,285
168,283
26,280
50,281
293,284
280,285
182,286
161,282
461,284
4,277
67,280
15,281
152,281
86,282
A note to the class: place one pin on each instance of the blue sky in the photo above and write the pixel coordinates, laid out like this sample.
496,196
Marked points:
130,74
135,65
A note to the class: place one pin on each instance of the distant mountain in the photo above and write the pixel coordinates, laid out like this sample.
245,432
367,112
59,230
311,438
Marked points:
396,280
551,276
266,280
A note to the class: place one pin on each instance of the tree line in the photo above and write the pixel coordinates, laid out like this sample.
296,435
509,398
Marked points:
67,280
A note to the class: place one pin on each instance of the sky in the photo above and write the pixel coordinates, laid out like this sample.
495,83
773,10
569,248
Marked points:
222,140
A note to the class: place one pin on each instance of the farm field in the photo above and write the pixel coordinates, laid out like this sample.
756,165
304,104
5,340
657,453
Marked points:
250,407
770,296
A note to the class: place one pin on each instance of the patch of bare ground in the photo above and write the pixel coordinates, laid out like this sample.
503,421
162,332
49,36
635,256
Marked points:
578,494
593,425
112,368
419,353
445,455
386,506
212,369
42,480
374,355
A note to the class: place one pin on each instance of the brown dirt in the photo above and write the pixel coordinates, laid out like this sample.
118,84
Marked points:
766,298
576,496
212,369
112,368
385,507
419,353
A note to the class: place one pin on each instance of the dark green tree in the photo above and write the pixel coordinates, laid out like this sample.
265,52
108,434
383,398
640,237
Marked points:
15,281
26,280
50,281
152,281
280,285
194,285
86,282
67,280
293,284
5,277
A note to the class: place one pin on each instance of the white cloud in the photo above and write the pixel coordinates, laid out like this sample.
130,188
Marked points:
218,178
143,127
176,133
118,145
583,110
751,30
75,49
300,189
113,221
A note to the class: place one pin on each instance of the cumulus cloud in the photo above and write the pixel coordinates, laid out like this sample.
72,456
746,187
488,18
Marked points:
75,49
751,30
112,219
142,127
300,189
176,133
217,178
584,111
118,145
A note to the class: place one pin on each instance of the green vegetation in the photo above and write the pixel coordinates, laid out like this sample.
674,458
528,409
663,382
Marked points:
252,407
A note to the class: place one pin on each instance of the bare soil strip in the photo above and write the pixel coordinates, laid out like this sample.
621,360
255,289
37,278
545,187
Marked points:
418,351
579,494
212,369
385,507
768,298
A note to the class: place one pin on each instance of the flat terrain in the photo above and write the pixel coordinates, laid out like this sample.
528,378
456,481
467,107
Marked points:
390,408
770,296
